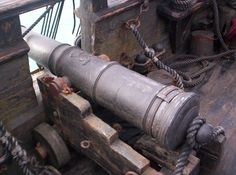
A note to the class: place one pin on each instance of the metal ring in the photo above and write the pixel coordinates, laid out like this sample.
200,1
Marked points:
136,22
85,144
130,173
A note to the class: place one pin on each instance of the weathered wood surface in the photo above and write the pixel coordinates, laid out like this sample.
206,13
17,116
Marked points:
149,147
14,72
19,109
15,7
16,91
218,106
104,32
21,127
79,125
84,166
17,103
10,34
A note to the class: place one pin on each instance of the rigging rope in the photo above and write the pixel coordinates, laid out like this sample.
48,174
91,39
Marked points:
151,54
217,25
37,21
48,29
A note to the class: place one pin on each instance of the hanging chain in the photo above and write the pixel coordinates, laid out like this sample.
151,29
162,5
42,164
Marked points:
136,21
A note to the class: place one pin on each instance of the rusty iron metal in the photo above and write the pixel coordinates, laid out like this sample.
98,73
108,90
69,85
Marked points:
58,85
41,151
144,7
48,79
126,61
117,127
104,57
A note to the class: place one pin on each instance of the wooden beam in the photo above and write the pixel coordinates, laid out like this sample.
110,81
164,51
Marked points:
9,8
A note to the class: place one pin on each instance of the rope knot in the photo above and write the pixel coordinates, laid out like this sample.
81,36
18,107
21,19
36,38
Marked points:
198,134
149,52
193,131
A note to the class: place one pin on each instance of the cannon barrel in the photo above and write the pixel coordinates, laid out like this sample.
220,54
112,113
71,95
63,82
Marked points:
164,112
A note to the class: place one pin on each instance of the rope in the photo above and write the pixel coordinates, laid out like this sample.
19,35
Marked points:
191,142
217,25
204,70
191,59
37,21
150,53
47,15
74,17
12,146
49,22
53,26
181,5
203,58
189,82
54,34
196,78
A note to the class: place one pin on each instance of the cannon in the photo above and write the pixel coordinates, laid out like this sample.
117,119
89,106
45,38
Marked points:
146,89
157,109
